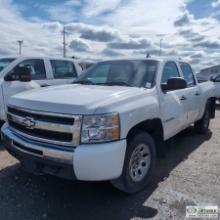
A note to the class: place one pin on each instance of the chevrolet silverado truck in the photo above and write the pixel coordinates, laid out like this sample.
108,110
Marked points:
110,124
42,72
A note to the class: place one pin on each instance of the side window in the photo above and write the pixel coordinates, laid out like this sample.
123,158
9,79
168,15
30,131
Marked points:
36,67
170,70
100,75
217,79
188,74
63,69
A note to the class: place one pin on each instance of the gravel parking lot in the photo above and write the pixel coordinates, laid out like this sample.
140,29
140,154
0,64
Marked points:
189,174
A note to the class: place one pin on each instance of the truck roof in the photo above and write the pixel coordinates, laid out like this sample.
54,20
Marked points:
37,57
144,59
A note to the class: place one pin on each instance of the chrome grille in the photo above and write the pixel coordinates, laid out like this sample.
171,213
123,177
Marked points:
47,127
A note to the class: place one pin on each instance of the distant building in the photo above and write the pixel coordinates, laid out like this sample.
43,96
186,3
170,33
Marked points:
206,73
211,70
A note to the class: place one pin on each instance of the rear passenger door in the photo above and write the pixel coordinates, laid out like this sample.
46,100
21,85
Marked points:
63,71
192,93
172,103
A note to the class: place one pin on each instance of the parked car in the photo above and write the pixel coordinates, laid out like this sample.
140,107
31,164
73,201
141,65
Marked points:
44,71
216,81
204,76
208,73
110,124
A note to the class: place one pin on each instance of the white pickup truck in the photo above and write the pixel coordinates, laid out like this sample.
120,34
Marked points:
110,124
44,71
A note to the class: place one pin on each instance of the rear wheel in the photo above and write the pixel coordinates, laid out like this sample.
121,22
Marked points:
1,123
202,126
139,164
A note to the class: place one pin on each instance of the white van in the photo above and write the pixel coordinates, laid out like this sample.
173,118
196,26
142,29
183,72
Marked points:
43,71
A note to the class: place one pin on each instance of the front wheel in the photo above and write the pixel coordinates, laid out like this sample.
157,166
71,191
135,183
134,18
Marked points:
139,164
202,126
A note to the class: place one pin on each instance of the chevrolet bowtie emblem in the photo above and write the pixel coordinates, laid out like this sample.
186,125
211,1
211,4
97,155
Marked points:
29,123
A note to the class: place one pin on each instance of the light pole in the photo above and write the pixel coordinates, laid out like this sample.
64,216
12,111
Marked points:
20,42
64,41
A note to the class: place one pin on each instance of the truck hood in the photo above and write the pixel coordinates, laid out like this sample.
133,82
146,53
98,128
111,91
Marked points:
75,99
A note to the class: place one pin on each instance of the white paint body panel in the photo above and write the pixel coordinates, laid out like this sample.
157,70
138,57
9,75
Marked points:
7,89
99,161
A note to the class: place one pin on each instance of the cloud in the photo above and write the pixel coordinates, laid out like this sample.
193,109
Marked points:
5,51
99,35
183,20
93,33
97,7
111,53
104,29
198,55
53,26
191,35
65,11
79,45
131,44
216,3
208,44
144,17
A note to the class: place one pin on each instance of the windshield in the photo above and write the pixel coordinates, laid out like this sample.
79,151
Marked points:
4,62
122,73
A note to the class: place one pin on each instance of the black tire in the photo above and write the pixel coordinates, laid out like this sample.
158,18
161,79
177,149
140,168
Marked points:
125,182
202,126
1,124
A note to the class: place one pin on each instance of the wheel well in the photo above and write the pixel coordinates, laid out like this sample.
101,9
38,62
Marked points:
211,103
154,127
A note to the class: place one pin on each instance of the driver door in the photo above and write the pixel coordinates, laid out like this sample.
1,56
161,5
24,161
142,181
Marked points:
172,103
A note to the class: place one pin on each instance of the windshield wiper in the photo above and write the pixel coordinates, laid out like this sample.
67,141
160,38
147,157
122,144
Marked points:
121,83
84,82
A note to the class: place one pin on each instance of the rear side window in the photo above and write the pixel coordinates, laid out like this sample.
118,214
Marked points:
63,69
170,70
217,79
36,67
188,74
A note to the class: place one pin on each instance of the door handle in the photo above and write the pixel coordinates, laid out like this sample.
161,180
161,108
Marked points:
44,85
183,98
197,94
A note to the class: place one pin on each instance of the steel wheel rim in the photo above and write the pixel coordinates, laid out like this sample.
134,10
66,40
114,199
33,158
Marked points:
139,163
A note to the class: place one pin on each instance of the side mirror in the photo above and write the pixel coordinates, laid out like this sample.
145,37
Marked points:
175,83
22,74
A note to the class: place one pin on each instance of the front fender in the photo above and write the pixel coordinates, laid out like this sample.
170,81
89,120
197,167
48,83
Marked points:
142,110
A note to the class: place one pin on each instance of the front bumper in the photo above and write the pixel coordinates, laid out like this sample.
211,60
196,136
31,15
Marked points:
92,162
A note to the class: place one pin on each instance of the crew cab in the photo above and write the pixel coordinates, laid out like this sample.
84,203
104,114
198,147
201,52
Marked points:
110,124
44,71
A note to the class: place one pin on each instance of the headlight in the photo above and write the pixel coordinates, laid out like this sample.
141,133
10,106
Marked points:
100,128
